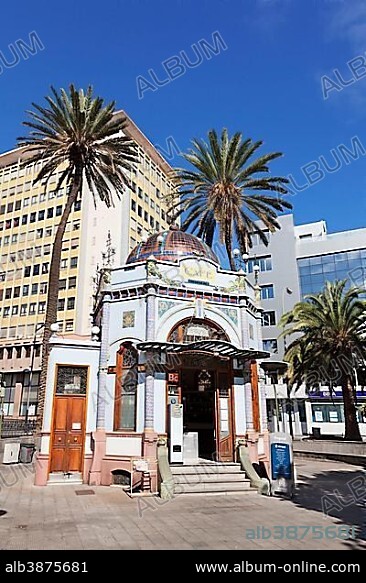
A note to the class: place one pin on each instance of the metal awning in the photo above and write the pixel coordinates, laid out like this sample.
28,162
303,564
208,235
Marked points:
212,347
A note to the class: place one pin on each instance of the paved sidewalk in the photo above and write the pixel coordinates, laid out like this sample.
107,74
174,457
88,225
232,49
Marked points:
56,517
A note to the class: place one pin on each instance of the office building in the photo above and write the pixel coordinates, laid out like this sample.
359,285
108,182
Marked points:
29,215
299,260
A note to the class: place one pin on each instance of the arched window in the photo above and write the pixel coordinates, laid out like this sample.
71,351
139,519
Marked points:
126,388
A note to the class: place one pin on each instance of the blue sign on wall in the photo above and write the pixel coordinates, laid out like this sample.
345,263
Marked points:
280,461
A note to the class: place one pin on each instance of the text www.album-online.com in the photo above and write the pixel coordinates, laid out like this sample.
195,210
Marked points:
301,567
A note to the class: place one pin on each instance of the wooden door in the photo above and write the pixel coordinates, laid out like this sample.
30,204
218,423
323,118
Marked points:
68,434
224,422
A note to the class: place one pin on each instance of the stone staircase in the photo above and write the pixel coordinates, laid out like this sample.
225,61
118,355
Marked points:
207,478
70,478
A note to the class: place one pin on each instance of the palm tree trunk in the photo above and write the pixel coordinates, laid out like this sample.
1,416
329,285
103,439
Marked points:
52,294
228,246
352,430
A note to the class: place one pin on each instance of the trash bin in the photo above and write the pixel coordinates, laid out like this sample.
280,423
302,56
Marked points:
26,453
316,432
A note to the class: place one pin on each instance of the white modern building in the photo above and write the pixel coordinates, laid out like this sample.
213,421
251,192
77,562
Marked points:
298,260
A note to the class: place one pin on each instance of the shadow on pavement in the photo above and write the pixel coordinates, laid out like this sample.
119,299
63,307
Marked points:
337,493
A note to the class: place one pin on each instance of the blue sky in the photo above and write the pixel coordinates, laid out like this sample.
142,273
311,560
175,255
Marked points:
267,83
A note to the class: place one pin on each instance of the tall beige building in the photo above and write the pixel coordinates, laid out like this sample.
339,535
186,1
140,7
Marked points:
29,216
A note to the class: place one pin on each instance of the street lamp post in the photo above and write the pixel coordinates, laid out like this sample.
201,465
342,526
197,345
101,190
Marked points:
241,260
288,291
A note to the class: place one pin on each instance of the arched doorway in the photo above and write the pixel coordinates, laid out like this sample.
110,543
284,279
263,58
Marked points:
202,382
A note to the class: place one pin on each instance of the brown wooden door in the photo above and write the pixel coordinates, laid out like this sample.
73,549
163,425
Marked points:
224,423
68,434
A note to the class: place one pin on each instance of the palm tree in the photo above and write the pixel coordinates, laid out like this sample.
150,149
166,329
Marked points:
331,331
77,134
227,191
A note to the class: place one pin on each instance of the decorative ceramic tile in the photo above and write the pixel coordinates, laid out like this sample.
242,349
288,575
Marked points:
128,319
231,313
164,306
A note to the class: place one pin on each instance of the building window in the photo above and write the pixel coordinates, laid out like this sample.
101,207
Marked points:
77,205
71,303
45,267
18,352
32,217
61,305
8,293
73,262
139,193
23,310
16,293
267,292
69,325
133,205
34,288
63,263
59,211
50,213
255,238
146,216
6,312
62,284
24,219
264,263
32,308
327,413
41,307
39,233
14,310
126,388
36,269
25,290
269,318
43,288
270,345
139,210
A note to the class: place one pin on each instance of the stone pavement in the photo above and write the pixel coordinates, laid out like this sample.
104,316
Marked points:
56,517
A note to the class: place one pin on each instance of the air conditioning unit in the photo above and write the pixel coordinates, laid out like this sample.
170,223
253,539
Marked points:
11,453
